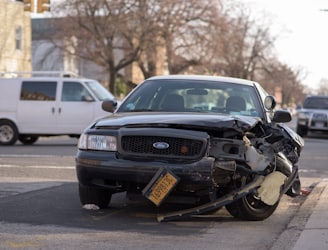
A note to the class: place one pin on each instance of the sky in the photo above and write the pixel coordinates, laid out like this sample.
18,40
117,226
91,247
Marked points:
302,34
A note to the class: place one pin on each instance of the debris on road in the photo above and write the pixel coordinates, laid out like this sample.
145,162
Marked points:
91,207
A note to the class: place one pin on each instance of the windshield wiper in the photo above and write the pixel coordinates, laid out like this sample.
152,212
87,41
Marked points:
141,110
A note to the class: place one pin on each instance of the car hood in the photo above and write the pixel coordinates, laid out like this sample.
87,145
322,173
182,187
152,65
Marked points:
314,110
183,120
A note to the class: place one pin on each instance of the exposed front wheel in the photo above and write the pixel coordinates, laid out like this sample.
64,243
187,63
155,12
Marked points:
8,133
27,139
93,195
251,208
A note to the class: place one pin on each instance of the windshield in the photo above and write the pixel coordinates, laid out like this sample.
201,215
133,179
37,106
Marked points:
316,103
99,91
185,95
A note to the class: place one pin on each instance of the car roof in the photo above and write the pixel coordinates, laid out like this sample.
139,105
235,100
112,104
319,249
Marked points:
316,96
203,77
46,78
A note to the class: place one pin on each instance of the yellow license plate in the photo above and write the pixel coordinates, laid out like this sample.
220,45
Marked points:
160,186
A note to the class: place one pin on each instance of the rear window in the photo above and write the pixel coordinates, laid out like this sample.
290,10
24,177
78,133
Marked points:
38,91
316,103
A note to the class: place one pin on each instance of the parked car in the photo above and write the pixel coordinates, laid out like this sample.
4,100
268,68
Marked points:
31,107
313,116
163,143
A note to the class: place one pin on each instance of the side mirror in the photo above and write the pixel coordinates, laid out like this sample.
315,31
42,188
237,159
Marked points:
270,102
282,116
109,105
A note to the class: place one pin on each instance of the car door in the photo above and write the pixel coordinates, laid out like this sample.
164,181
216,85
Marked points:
76,107
37,107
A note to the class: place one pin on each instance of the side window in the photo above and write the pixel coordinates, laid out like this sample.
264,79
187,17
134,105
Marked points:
74,92
38,91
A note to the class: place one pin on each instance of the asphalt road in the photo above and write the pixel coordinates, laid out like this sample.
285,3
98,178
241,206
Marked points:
52,218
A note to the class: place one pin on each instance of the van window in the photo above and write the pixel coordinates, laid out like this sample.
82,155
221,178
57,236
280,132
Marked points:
38,91
100,92
74,92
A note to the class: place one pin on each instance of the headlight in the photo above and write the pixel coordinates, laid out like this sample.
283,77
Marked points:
97,142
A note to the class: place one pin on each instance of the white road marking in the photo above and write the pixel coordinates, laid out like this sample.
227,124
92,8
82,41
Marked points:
37,167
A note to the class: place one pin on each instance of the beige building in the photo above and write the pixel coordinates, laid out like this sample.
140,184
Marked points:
15,37
24,47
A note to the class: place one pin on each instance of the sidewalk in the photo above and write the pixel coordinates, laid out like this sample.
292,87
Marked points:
315,233
308,230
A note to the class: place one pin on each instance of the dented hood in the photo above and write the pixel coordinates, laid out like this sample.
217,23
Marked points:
192,120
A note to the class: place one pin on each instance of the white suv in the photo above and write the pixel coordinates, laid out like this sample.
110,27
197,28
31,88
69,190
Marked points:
313,116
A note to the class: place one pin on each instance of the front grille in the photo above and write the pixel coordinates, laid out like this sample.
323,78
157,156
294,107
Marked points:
319,124
319,117
177,147
319,121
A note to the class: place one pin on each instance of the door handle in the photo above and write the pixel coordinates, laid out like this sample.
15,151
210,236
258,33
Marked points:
59,110
52,110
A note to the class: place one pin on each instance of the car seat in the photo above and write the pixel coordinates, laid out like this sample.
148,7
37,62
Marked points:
235,104
173,102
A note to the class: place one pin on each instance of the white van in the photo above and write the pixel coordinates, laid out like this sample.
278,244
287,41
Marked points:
31,107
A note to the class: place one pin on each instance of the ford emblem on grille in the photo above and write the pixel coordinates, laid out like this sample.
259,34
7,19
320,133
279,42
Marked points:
161,145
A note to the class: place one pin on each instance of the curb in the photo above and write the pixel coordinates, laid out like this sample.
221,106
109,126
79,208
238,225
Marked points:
291,235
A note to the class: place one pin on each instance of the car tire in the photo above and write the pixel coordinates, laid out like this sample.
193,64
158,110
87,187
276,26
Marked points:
251,208
93,195
8,133
302,131
27,140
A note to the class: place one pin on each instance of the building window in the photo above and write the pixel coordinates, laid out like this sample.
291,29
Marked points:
18,38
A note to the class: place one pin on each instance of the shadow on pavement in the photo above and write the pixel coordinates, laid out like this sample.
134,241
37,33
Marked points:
60,206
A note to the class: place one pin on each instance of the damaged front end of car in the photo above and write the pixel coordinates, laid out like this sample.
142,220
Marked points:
253,167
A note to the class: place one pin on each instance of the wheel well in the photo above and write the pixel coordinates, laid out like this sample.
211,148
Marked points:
8,120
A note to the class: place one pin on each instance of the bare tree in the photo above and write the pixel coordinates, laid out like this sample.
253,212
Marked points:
276,74
240,45
207,36
323,87
177,38
186,32
108,32
116,33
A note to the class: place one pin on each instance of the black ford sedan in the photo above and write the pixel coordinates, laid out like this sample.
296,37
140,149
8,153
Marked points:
205,140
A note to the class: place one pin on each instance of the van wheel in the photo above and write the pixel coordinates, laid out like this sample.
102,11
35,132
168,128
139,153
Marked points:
27,139
8,133
93,195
